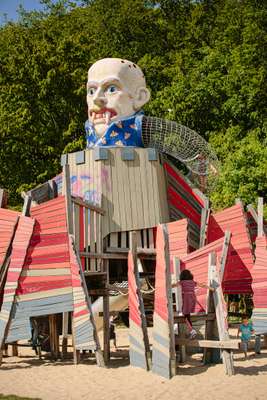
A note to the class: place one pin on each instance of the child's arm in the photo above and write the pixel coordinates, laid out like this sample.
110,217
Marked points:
203,285
175,284
238,332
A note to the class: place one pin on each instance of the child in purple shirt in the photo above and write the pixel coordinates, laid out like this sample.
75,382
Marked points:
188,286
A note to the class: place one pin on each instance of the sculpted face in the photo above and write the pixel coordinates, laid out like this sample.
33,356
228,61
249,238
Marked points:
115,89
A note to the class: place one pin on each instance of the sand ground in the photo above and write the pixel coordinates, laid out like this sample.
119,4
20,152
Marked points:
27,376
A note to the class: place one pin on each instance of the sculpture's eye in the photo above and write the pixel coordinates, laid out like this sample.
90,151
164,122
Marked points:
111,89
91,91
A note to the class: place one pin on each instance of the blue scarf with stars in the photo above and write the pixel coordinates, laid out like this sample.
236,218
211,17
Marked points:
125,132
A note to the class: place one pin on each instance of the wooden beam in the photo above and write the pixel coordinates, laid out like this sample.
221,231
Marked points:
99,356
253,212
3,198
194,318
106,329
92,207
27,205
67,185
221,313
140,250
215,344
141,356
112,256
225,248
260,217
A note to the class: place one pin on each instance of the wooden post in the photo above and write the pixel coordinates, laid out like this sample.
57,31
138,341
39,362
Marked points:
139,342
3,198
66,175
76,353
106,330
53,336
15,352
221,313
106,317
178,305
260,216
65,324
26,206
98,352
225,248
164,356
210,331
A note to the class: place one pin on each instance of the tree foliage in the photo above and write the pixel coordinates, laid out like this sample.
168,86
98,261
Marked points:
205,63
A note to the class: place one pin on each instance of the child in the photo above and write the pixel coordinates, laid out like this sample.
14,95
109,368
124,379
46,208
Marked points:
188,286
246,330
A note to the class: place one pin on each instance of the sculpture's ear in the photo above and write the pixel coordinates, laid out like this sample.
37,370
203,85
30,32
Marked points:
142,96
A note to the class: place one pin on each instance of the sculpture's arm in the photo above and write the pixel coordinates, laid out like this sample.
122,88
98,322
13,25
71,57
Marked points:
181,143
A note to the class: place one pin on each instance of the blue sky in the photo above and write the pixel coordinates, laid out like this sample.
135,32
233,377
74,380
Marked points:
9,7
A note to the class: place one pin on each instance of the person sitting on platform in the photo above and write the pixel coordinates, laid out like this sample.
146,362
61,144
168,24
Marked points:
189,299
246,329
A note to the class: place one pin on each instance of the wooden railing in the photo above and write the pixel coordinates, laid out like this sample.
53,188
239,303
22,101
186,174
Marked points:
87,233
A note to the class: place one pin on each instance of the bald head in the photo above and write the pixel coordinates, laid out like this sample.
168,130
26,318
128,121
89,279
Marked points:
116,88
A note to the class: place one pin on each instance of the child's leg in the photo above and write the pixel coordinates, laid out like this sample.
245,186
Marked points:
245,347
257,344
188,322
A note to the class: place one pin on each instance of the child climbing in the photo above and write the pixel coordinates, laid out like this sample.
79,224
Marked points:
188,286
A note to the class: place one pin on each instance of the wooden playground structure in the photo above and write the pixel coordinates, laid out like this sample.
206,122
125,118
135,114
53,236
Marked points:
119,215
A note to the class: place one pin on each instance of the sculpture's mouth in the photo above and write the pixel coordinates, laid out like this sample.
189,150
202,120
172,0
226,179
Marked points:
102,116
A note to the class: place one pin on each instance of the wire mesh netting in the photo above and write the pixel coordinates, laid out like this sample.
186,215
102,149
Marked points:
181,143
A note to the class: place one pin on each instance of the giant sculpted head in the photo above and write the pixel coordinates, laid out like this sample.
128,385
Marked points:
116,89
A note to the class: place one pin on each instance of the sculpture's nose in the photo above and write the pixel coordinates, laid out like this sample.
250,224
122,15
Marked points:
99,98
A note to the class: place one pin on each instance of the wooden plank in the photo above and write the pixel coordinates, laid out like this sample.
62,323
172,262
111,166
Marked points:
98,353
99,241
253,212
221,314
155,206
215,344
124,240
177,290
106,330
139,238
151,238
67,186
76,224
89,206
65,324
119,191
114,240
53,336
107,198
162,190
26,206
3,198
205,213
76,353
260,216
137,319
146,190
137,172
132,195
86,236
164,357
223,257
93,264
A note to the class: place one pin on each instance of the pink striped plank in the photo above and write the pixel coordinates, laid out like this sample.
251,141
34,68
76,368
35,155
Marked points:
237,277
